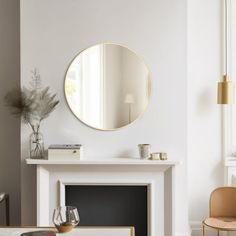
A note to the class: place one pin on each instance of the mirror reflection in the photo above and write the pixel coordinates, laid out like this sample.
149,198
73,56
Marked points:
107,86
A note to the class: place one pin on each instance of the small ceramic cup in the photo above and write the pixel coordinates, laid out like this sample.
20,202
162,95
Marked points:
144,151
155,156
163,156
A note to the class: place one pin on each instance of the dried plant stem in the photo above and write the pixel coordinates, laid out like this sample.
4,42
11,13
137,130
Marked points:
33,105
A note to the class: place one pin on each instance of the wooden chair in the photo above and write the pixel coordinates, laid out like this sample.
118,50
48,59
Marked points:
222,210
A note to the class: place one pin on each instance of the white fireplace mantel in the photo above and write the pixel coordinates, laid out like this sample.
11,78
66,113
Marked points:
158,175
116,161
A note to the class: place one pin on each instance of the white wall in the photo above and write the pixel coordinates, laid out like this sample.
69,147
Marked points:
53,32
205,170
9,126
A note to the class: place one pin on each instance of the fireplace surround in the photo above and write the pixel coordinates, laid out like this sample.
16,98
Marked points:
53,177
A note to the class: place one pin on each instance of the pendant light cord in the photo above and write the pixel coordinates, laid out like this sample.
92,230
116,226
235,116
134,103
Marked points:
226,38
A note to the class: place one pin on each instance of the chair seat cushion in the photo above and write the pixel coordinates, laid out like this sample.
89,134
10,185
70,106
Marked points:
223,223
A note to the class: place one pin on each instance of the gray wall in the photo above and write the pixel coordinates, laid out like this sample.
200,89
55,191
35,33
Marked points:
9,126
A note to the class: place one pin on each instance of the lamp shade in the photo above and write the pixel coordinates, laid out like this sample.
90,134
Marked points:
225,91
129,98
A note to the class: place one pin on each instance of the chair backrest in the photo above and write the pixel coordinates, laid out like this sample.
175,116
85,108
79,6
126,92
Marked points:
223,202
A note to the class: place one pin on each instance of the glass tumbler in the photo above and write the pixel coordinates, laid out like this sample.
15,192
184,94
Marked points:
65,218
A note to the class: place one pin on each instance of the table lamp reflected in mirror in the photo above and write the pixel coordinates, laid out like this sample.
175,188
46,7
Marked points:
129,99
65,218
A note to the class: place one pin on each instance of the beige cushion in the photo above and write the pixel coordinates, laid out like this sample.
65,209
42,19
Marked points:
224,223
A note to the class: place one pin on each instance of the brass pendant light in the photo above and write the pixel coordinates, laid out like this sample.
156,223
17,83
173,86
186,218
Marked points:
225,87
225,91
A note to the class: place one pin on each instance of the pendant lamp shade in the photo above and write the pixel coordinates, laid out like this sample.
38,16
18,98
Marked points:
225,91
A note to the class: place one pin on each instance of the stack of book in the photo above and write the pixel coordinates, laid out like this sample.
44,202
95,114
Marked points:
65,152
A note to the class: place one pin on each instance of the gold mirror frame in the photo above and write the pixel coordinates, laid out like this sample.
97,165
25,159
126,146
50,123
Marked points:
149,90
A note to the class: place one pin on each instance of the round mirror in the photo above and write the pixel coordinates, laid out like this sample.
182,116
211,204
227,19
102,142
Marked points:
107,86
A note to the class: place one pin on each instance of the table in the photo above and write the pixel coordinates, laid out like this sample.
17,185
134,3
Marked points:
81,231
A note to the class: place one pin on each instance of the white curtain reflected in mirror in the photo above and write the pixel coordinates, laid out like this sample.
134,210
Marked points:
107,86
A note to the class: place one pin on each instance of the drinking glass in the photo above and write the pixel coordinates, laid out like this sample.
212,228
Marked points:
65,218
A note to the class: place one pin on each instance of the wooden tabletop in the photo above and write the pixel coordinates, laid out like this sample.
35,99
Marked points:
83,231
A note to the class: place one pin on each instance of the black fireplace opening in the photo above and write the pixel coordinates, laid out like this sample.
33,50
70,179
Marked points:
103,205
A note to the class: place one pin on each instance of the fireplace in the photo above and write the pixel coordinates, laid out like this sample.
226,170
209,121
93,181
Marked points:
110,205
156,178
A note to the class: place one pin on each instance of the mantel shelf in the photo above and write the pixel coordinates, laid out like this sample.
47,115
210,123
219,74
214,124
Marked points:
115,161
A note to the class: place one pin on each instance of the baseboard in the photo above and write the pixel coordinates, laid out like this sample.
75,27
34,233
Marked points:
183,234
187,233
195,225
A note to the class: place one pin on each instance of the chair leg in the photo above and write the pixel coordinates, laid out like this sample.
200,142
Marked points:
218,232
203,230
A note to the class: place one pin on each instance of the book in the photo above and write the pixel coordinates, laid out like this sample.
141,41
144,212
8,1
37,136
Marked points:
65,146
65,152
